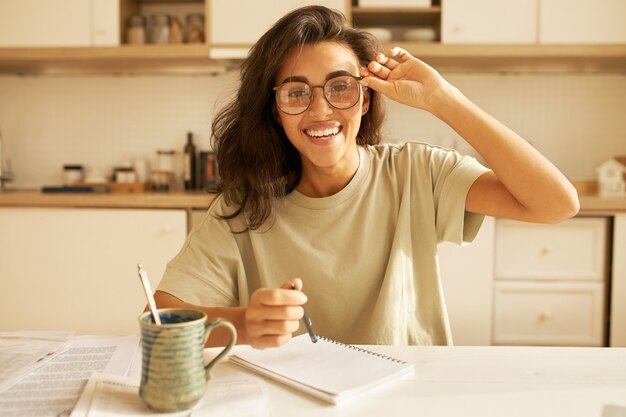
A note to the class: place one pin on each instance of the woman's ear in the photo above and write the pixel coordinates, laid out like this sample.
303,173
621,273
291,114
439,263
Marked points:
366,101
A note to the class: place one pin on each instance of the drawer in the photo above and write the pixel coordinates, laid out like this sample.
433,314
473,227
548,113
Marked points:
572,250
556,313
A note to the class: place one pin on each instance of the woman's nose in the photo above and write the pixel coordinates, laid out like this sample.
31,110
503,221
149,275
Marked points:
319,107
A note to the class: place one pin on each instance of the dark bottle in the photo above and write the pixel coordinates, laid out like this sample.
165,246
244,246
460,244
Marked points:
189,163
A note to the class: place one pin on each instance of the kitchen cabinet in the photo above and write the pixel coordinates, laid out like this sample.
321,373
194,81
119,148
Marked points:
59,23
231,28
582,22
76,268
550,283
467,277
489,22
256,17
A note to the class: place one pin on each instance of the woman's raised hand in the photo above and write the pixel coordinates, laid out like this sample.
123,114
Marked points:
404,78
274,314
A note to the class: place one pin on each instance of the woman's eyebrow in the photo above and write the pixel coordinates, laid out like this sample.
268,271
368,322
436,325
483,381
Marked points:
295,78
338,73
306,80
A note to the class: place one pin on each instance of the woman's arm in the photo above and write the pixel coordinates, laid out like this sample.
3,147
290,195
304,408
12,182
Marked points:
524,185
269,320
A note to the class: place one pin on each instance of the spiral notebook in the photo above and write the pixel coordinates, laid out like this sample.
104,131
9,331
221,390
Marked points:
328,370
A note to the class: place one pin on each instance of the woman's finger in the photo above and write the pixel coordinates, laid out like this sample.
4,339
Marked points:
378,70
273,327
383,59
399,53
278,313
277,297
293,284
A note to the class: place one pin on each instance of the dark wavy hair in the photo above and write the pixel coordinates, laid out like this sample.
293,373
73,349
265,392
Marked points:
257,162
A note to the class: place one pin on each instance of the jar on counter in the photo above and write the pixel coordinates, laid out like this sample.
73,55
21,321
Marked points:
136,29
160,24
194,28
124,175
72,174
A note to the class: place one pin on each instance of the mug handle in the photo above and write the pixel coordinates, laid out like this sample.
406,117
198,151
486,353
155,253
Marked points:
215,323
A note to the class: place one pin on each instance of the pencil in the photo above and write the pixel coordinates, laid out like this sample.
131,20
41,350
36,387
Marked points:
307,322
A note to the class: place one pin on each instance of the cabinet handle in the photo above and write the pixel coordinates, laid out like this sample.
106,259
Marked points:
167,228
544,316
546,249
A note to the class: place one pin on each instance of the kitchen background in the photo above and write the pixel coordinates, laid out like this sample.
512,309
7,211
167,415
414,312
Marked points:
563,88
575,119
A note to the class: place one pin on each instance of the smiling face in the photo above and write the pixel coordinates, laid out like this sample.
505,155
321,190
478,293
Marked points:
324,136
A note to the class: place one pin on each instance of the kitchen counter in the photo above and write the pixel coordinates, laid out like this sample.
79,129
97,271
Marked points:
589,204
157,200
593,204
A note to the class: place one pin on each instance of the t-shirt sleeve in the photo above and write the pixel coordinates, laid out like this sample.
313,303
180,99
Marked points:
208,267
453,174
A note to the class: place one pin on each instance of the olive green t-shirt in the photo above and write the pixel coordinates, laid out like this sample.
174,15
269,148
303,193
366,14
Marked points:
367,255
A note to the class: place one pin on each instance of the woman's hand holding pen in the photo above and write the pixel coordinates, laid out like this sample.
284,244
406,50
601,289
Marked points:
405,79
274,314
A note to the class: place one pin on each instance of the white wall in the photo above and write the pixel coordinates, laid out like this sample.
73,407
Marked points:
577,120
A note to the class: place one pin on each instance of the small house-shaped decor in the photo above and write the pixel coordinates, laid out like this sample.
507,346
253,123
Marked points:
612,177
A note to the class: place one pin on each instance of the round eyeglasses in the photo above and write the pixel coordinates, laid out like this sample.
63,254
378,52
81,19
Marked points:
341,92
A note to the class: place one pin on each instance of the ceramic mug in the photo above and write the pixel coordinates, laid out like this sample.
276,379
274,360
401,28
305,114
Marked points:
173,375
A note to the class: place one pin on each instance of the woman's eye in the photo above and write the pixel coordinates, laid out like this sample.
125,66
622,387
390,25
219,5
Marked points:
297,93
339,87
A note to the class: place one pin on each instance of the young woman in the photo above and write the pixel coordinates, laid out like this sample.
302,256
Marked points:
309,199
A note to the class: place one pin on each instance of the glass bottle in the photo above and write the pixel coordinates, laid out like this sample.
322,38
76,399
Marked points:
160,28
189,163
136,29
194,28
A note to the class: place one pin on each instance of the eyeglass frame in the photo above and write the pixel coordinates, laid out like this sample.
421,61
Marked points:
311,87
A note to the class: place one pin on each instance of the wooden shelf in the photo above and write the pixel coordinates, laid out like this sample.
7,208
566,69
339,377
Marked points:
580,58
126,58
195,58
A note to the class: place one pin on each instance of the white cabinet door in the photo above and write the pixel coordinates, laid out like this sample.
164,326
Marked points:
582,21
45,23
489,21
75,269
617,335
467,275
240,23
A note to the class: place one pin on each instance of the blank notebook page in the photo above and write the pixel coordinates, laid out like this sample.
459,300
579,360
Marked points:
327,369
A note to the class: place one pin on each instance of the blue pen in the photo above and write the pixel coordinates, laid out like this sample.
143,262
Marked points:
307,323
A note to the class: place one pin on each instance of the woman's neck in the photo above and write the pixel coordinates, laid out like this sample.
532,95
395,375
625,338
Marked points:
320,182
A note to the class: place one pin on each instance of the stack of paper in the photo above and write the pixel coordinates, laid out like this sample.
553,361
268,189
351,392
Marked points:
23,352
53,389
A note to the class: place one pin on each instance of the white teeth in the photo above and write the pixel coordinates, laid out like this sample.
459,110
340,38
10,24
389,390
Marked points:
321,133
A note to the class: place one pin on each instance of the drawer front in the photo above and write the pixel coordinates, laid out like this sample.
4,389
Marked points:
572,250
541,313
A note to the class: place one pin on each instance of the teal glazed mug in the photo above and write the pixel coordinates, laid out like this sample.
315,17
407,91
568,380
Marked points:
173,375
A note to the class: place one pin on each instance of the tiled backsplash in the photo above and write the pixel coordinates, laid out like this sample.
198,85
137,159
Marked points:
576,120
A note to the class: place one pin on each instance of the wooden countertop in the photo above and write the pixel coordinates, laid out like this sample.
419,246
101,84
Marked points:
156,200
593,204
590,204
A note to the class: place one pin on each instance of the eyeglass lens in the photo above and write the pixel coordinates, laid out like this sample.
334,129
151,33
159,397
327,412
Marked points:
294,97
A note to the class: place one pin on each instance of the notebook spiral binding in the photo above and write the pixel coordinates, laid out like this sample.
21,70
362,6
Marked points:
369,352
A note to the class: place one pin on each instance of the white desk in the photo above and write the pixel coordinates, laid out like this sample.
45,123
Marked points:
476,381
